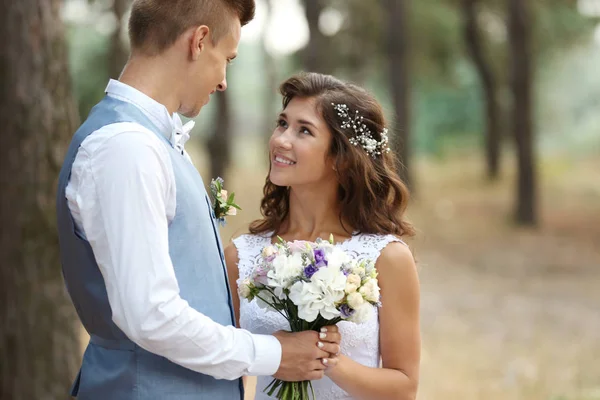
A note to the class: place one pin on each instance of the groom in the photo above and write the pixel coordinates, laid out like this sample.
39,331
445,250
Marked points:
140,251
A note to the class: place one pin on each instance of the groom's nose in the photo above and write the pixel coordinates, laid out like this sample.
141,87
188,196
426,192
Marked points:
222,86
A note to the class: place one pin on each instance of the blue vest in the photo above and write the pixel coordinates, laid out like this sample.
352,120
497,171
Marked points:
115,368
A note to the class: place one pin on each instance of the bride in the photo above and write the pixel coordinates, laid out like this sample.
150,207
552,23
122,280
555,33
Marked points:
329,176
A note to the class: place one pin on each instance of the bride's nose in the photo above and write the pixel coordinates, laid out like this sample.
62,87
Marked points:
283,140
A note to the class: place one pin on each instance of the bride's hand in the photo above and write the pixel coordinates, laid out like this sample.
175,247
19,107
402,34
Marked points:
330,363
331,334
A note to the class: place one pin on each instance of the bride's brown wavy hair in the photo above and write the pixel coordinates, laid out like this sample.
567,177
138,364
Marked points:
372,197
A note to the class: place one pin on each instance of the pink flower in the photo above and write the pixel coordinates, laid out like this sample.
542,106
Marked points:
298,246
260,275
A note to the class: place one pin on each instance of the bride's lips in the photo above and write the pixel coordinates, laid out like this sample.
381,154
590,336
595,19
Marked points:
282,161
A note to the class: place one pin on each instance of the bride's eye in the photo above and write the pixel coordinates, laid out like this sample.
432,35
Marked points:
305,131
281,123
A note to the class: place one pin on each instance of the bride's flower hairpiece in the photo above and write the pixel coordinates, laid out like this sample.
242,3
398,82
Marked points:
363,136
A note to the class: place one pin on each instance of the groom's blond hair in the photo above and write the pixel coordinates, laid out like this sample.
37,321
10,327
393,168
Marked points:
155,25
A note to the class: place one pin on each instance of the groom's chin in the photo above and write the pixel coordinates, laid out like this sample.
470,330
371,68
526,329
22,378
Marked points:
195,111
191,113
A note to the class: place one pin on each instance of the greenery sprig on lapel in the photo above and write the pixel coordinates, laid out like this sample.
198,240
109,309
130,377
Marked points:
222,203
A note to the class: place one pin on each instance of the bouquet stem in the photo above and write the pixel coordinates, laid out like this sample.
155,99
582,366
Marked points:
283,390
290,390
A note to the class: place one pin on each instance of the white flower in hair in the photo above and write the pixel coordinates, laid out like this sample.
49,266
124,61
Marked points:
363,136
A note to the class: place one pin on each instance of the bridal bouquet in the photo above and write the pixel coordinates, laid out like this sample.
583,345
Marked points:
312,285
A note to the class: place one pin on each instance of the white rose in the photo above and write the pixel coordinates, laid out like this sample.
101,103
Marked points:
224,194
353,279
268,251
351,288
370,290
362,314
232,211
355,300
358,270
244,289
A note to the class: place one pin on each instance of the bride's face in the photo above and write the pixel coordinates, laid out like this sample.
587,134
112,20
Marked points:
299,146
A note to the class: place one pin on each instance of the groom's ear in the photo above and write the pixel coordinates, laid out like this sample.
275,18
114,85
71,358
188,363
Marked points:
199,40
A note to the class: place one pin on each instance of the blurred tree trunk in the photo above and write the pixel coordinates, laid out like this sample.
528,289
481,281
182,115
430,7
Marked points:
315,54
519,23
118,50
399,73
39,349
268,123
474,43
219,145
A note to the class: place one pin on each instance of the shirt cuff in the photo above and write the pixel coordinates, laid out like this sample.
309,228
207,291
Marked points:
267,355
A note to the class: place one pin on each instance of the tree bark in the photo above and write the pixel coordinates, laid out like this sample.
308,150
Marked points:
519,22
118,51
475,49
39,350
399,73
268,123
219,145
314,55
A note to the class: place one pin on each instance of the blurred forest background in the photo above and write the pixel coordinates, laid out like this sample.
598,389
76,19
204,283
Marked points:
495,112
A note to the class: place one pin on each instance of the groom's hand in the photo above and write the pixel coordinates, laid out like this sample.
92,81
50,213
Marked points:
302,353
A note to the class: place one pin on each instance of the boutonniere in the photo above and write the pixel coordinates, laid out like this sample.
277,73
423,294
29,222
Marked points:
223,204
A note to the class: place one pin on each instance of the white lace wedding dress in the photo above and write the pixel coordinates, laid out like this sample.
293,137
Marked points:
359,341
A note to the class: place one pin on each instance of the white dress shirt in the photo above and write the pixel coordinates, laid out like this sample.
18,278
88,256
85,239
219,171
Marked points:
121,194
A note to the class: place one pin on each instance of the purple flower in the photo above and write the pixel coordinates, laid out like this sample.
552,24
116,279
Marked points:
320,260
310,271
346,311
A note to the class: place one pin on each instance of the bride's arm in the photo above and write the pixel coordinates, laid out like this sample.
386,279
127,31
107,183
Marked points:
399,336
233,273
231,261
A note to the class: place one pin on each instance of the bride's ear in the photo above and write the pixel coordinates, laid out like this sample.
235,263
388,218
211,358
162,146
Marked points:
198,41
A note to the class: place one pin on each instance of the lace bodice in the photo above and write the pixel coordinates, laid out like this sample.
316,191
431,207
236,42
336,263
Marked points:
359,341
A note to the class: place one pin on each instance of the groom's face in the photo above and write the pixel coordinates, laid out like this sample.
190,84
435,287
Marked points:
208,72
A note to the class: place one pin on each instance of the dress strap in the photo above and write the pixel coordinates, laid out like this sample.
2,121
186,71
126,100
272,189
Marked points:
249,248
368,245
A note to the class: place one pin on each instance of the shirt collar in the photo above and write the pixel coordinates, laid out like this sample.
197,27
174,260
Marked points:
154,110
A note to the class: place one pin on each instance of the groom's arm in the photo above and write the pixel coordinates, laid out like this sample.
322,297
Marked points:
130,187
